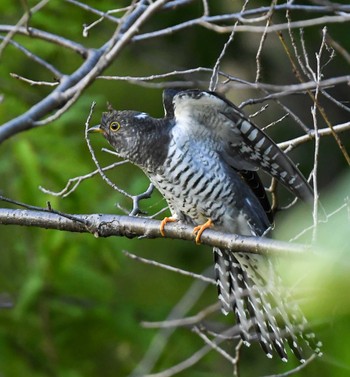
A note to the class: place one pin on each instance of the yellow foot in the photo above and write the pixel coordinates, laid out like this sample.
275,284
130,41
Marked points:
198,230
164,222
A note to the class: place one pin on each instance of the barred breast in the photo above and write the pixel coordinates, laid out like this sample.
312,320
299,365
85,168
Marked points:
198,185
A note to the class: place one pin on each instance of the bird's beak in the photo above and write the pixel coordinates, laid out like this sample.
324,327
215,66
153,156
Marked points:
96,129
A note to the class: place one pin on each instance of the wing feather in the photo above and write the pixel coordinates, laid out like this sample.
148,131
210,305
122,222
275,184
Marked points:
239,141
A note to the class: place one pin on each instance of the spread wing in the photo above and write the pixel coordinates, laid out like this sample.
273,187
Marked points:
242,145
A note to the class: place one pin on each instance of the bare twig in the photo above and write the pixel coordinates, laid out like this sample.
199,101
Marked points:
215,347
56,73
32,82
296,369
188,321
214,77
23,21
103,15
262,40
135,198
238,354
48,37
192,360
337,47
159,342
280,27
168,268
275,122
317,76
344,206
74,183
285,90
311,135
210,22
100,170
311,95
48,210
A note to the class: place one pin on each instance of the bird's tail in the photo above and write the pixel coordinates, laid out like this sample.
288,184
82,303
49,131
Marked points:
248,286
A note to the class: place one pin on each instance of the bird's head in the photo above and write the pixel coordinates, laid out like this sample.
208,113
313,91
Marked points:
124,130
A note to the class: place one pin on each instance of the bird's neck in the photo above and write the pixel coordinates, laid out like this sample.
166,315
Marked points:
152,147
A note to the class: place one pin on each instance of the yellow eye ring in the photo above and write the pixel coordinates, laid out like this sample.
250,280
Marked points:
114,126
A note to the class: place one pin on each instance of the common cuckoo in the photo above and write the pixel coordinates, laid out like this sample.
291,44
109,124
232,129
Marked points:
203,157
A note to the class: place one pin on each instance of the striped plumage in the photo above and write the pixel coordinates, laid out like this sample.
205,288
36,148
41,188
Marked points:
203,156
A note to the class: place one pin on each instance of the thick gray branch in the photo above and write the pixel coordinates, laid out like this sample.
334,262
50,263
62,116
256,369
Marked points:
71,86
131,227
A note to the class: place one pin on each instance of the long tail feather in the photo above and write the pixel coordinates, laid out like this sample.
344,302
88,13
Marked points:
249,287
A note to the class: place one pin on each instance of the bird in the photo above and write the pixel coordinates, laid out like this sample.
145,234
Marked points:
204,156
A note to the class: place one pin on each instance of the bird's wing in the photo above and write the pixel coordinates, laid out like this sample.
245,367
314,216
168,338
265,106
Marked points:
203,114
252,179
168,96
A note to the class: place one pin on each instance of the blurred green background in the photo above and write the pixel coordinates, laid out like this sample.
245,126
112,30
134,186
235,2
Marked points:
77,301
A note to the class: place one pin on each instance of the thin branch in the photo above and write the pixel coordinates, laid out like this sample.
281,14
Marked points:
337,47
214,77
48,37
279,27
296,369
344,206
32,82
94,158
262,41
238,354
209,22
285,90
317,77
169,268
135,198
339,128
104,15
311,95
159,342
335,101
74,183
214,346
59,112
86,28
283,117
192,360
158,76
281,90
23,21
49,210
188,321
56,73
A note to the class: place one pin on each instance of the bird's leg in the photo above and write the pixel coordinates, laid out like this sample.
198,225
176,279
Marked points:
198,230
164,222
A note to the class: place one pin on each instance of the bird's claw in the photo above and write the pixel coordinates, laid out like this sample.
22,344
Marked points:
164,222
199,229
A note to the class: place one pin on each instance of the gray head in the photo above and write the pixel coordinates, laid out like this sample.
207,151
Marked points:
134,135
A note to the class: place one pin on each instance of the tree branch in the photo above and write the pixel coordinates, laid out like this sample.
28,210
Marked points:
46,36
73,85
131,227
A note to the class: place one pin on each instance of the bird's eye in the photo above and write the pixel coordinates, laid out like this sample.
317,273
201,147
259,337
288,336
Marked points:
114,126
